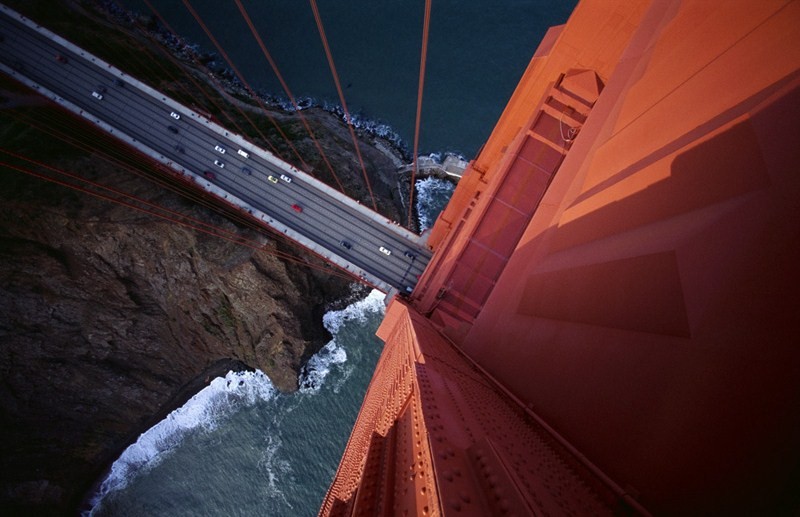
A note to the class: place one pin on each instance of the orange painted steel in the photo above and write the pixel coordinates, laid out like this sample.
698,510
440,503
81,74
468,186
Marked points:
616,275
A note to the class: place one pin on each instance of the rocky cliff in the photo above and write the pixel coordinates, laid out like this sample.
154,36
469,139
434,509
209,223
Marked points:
110,316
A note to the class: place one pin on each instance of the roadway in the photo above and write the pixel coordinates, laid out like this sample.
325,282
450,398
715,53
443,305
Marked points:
189,142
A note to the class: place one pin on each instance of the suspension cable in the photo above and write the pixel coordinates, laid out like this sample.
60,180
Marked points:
348,120
285,87
209,230
221,90
245,83
102,152
422,60
201,89
190,194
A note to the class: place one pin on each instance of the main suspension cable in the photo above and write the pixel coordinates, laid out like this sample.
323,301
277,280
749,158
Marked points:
422,60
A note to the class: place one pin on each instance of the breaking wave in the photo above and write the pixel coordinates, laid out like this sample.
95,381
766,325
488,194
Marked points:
222,397
320,365
432,196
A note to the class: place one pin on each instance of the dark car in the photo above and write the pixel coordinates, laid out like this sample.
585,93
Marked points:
119,82
173,129
409,254
210,175
180,149
346,244
247,171
102,89
61,58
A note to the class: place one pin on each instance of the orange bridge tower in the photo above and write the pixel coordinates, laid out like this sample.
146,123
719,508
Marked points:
611,319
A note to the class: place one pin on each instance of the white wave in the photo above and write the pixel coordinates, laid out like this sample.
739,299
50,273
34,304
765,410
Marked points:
432,196
374,302
278,470
319,366
220,398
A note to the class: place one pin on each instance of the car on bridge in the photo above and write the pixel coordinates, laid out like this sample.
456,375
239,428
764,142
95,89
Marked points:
98,96
297,208
286,178
346,244
173,129
175,115
61,58
272,179
247,171
219,149
385,251
219,164
210,175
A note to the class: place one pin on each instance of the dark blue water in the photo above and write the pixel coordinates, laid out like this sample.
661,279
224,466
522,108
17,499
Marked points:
477,52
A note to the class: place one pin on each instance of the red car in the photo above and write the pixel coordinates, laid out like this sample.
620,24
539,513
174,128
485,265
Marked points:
297,208
210,175
60,58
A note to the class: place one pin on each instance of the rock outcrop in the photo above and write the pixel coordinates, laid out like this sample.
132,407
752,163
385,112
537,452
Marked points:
110,317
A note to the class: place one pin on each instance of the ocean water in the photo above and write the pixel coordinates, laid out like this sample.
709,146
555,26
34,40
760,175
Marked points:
239,447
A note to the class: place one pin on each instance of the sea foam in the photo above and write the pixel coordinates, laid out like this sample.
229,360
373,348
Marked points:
319,366
432,196
222,397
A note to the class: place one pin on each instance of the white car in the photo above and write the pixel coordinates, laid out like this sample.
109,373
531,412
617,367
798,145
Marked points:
286,178
175,115
219,149
98,96
244,153
219,164
385,251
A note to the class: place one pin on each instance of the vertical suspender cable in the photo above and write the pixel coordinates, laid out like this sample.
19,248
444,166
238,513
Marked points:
285,87
244,82
423,58
216,83
152,209
202,90
348,121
